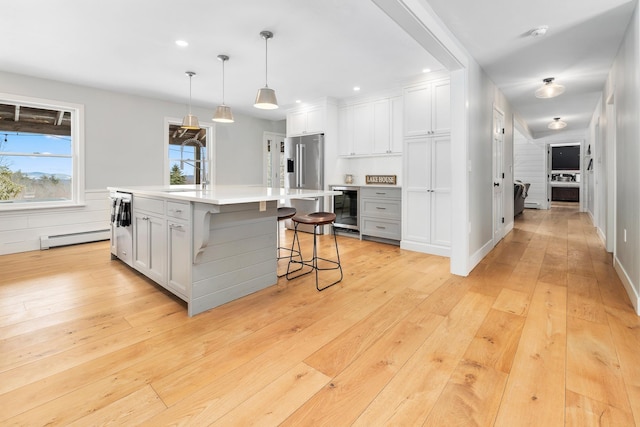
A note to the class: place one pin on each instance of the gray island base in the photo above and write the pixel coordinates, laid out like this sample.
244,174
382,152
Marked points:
208,247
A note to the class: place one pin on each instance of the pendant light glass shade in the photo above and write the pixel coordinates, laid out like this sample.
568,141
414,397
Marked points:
549,89
223,113
557,124
190,121
266,98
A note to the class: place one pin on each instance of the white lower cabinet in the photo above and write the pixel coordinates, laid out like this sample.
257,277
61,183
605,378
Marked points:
426,209
380,213
179,249
149,245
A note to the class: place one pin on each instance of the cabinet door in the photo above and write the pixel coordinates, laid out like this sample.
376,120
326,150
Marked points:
179,257
296,123
416,208
362,128
417,110
157,249
141,242
381,127
345,131
395,121
441,107
441,191
315,121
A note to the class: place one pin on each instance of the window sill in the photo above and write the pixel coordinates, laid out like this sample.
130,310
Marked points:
30,206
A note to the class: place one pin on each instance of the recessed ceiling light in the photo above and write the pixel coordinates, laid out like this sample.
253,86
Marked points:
182,43
298,101
356,88
426,70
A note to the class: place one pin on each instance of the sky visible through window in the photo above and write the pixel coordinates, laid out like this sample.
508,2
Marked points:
25,143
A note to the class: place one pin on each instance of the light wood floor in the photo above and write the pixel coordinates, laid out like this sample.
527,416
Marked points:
541,334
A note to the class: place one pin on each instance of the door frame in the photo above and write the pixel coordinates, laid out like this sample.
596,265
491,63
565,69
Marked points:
497,175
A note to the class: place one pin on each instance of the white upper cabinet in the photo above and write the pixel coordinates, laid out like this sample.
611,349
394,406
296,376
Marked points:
371,128
308,120
427,108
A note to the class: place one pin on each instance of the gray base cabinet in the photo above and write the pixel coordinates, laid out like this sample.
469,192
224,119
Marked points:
381,213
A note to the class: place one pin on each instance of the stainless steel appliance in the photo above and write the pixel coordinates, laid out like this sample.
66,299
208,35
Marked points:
121,227
304,157
345,206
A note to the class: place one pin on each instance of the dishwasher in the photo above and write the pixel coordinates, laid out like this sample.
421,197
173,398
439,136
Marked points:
121,228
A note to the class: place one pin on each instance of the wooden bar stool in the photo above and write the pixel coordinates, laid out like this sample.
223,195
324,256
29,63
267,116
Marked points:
316,219
286,213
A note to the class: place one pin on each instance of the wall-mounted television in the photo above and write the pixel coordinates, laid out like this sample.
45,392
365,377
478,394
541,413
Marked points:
565,158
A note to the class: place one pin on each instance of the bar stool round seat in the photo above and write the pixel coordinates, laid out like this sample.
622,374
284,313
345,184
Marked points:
286,213
316,219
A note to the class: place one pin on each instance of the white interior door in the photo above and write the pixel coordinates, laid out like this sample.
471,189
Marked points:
498,176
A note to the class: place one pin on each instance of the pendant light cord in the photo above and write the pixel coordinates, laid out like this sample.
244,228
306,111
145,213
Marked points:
266,59
223,61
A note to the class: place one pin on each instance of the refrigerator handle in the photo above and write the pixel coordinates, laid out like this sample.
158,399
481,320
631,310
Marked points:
297,168
301,167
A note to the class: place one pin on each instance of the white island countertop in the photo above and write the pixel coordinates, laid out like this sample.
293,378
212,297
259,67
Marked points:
223,194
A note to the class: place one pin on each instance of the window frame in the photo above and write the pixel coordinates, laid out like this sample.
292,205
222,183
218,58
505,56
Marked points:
211,145
77,152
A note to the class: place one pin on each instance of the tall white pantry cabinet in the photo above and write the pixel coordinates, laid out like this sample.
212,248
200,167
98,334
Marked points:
426,198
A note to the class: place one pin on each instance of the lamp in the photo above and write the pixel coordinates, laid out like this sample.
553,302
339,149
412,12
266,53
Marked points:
223,112
557,124
190,121
549,89
266,98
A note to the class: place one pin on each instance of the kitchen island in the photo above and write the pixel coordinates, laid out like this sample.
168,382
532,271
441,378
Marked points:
208,246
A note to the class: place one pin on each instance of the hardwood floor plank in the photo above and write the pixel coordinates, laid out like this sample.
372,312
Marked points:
534,395
593,369
511,301
291,390
585,412
408,397
583,299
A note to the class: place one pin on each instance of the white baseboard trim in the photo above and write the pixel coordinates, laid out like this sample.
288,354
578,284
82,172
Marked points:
628,285
480,254
425,248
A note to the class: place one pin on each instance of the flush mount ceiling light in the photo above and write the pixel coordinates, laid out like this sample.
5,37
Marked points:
223,112
549,89
190,121
266,98
539,31
557,124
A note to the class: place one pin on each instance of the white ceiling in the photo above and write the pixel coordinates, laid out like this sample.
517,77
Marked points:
578,50
320,48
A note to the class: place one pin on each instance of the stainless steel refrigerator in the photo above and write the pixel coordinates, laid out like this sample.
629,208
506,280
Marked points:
304,168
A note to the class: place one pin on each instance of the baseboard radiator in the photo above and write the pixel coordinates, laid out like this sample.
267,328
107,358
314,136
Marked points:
532,205
47,242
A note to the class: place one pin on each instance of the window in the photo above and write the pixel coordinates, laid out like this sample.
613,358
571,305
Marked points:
39,146
188,157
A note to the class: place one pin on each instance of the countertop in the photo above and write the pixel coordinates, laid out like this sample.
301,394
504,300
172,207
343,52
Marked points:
365,185
222,194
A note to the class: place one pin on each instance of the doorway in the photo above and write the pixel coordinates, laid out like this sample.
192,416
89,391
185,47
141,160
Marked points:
273,160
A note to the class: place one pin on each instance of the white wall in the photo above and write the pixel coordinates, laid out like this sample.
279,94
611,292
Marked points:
529,166
124,145
624,87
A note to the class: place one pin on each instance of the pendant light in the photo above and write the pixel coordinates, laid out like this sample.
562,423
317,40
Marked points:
557,124
549,89
223,112
190,121
266,98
